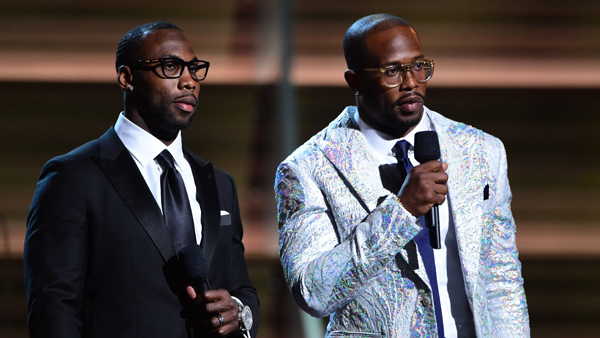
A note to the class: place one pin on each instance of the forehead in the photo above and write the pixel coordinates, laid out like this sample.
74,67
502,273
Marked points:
398,44
165,42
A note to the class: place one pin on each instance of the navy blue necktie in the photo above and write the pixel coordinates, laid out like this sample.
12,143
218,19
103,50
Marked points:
404,166
175,203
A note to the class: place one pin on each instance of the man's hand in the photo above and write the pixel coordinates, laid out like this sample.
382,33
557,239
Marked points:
424,187
213,303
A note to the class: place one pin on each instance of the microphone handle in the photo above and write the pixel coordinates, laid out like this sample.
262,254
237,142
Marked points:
435,239
200,284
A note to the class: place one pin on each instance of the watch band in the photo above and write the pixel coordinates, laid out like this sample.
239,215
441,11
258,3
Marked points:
245,318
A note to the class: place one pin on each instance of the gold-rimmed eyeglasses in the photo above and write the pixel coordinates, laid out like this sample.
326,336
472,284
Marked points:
172,68
393,75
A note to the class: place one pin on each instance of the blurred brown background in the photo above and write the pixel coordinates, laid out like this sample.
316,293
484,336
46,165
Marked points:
527,71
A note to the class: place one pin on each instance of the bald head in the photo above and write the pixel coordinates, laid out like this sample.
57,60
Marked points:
355,50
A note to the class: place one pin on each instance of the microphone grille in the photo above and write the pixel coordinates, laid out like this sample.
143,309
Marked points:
194,264
427,146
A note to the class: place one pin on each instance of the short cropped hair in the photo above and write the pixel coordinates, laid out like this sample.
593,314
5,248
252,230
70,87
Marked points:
355,49
132,41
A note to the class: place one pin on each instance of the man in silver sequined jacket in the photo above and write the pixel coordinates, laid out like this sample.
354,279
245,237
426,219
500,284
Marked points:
347,243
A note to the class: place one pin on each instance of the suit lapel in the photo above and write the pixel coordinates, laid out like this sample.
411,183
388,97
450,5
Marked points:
116,164
348,151
208,198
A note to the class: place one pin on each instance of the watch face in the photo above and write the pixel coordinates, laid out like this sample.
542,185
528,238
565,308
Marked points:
247,318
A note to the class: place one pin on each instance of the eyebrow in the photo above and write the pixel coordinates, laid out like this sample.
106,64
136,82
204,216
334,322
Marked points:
170,56
394,63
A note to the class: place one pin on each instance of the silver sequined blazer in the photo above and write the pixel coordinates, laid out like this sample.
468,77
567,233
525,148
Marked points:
339,232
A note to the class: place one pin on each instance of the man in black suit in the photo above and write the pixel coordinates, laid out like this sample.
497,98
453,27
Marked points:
100,258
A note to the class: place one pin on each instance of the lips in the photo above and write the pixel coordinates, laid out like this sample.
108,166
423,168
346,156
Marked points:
186,103
409,103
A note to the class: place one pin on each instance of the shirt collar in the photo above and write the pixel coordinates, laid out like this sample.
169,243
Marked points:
383,143
143,146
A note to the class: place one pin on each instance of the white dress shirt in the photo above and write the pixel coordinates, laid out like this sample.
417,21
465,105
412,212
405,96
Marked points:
447,261
144,147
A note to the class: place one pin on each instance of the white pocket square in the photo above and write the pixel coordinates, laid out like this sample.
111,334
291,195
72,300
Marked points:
225,218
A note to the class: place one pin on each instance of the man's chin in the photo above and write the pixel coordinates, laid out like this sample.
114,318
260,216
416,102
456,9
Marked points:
182,121
409,119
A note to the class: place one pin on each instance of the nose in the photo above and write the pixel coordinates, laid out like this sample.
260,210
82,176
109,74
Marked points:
186,81
409,83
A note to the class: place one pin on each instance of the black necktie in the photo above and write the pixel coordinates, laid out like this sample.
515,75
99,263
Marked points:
393,176
175,203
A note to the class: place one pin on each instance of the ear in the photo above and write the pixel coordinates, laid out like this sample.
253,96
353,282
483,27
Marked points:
351,79
124,77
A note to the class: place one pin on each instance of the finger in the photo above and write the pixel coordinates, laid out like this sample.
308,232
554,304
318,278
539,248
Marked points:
215,295
430,178
441,189
218,320
191,292
227,324
432,166
205,300
223,331
437,167
439,177
221,306
439,199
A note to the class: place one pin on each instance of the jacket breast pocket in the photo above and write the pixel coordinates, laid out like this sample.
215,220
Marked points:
486,192
225,218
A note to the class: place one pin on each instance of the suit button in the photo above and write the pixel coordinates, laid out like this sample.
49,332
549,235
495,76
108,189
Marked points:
426,301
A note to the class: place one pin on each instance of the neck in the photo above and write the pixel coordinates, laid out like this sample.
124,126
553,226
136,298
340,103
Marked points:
165,136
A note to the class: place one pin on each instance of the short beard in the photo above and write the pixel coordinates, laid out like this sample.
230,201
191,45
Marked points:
168,127
407,124
392,125
163,124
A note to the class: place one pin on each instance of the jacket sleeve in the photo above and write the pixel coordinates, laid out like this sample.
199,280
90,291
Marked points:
504,282
55,254
239,280
324,269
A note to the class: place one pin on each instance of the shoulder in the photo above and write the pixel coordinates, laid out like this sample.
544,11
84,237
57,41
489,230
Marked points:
79,162
75,159
106,144
221,176
339,131
454,131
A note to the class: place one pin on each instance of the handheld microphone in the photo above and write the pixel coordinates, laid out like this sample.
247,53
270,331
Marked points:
194,265
427,148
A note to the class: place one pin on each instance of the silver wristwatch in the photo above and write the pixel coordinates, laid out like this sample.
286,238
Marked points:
244,317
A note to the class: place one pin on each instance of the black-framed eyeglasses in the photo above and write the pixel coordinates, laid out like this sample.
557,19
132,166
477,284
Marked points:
393,75
172,68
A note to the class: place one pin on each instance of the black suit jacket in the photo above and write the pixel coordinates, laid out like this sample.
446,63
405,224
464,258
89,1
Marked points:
99,261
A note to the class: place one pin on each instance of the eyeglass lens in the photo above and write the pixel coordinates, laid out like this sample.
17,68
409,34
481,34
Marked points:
421,70
173,68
